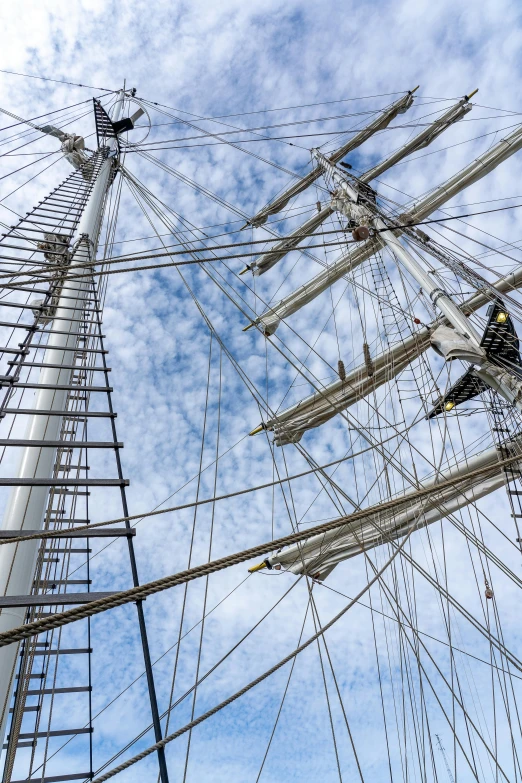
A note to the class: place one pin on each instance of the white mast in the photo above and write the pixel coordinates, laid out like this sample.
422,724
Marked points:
466,343
26,506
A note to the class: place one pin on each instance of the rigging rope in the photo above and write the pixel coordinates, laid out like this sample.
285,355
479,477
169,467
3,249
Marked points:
150,588
130,762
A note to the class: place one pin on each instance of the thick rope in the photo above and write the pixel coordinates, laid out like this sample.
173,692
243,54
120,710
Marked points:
126,764
141,592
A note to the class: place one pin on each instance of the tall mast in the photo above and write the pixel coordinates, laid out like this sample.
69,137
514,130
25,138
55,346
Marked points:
27,504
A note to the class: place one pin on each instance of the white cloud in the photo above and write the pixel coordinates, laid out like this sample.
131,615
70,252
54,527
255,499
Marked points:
221,59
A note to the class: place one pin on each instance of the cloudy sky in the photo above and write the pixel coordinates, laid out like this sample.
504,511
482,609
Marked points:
304,69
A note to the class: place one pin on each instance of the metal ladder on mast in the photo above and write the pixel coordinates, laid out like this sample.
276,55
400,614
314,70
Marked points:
70,486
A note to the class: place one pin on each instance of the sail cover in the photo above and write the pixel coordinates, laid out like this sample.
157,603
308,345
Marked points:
318,555
289,425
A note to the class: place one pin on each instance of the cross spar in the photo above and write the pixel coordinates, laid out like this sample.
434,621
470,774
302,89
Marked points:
463,342
382,121
313,411
423,139
306,293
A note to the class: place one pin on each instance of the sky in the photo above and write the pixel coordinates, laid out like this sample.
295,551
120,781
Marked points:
284,65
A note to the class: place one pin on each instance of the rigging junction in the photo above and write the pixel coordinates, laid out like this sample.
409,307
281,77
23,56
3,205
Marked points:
54,250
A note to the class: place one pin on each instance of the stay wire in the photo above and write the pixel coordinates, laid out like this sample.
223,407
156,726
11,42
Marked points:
194,520
281,704
226,257
207,674
57,81
201,718
209,556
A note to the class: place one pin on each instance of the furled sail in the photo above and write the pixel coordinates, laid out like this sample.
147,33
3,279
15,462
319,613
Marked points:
423,139
379,123
319,554
307,292
289,425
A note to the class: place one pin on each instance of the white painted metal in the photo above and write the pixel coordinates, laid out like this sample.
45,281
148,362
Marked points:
267,260
438,295
26,506
307,292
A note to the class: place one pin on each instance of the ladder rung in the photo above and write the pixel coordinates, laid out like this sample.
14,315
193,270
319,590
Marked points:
31,676
32,307
6,349
54,229
69,492
62,520
72,651
61,366
6,379
68,414
50,599
60,348
53,733
49,691
67,550
44,217
61,211
71,444
95,532
14,325
63,482
21,745
49,583
33,708
59,778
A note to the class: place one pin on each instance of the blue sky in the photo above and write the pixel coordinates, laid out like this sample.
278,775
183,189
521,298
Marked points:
206,59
